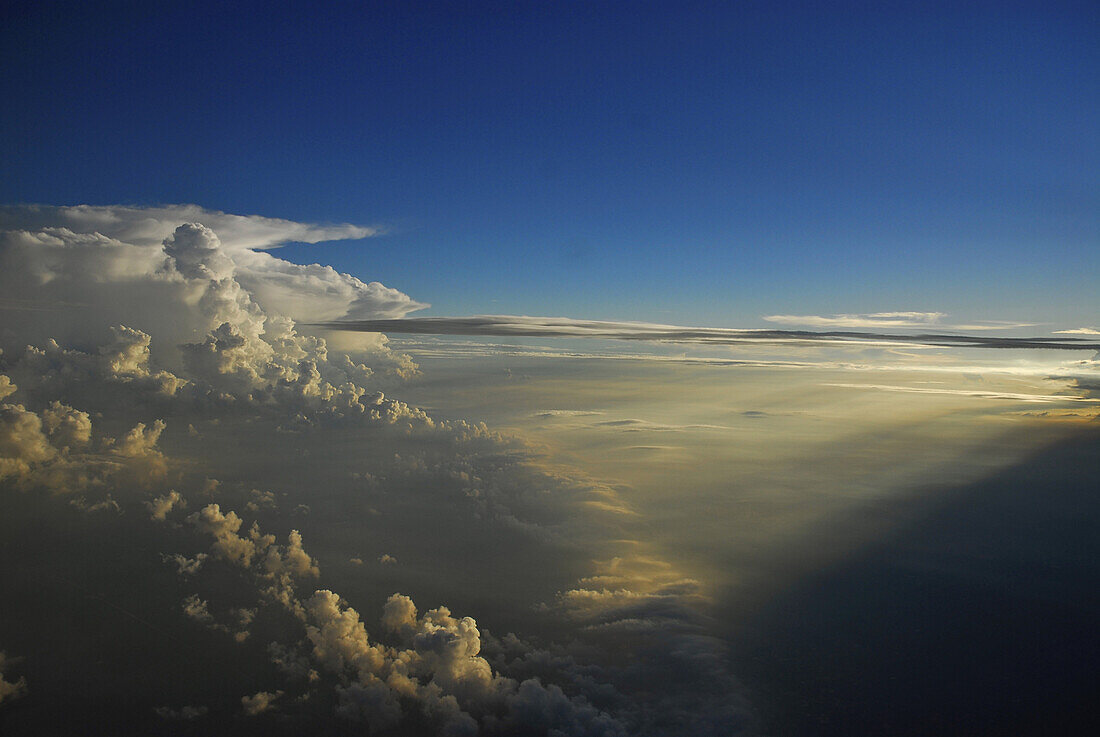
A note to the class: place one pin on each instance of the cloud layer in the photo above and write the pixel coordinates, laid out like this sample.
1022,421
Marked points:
563,327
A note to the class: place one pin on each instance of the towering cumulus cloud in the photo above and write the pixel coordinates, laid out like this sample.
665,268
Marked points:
181,448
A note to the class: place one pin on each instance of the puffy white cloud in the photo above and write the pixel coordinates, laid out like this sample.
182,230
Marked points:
141,441
315,293
291,559
439,667
23,444
261,500
223,527
162,505
7,387
339,639
197,253
67,427
179,272
122,363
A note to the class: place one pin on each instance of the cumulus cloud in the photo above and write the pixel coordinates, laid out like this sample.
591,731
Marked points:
291,559
141,441
197,609
563,327
67,426
178,272
223,527
260,702
162,505
23,444
439,667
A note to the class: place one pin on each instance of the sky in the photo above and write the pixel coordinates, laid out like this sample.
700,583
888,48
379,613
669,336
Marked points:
586,159
581,369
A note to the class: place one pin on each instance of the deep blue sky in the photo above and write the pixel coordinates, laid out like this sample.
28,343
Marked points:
684,162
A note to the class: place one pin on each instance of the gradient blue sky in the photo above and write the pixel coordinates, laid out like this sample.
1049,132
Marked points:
698,163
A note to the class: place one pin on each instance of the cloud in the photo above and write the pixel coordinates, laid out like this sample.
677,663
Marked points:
149,226
142,326
260,702
185,566
636,425
562,327
186,713
10,690
228,545
162,505
66,426
438,667
1010,396
23,444
886,320
174,272
197,609
871,320
1079,331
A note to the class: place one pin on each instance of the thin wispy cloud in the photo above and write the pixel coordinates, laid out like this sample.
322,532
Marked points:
1009,396
1079,331
871,320
888,320
564,327
149,226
